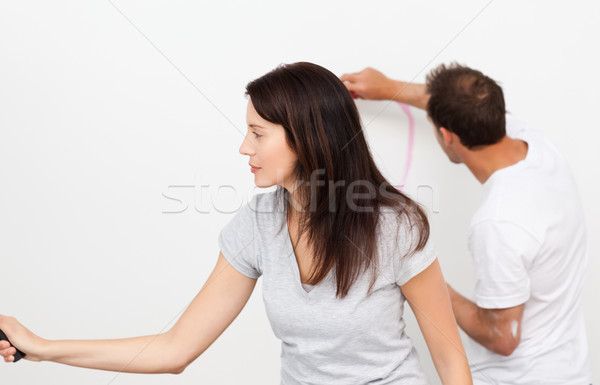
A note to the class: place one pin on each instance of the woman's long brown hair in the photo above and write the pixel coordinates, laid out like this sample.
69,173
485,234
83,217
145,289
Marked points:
323,128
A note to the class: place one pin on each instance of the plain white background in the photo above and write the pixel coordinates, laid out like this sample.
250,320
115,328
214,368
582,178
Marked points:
119,122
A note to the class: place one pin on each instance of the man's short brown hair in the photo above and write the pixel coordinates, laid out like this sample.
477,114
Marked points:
468,103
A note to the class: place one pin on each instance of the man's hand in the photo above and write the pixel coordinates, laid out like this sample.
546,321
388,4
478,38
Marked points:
372,84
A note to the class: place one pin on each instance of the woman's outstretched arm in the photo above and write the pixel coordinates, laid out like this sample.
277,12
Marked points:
427,294
218,303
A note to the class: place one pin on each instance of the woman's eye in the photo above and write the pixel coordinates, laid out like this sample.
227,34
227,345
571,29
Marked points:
257,135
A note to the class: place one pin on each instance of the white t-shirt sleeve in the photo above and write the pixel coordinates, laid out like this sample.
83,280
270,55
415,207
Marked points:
408,266
237,242
502,254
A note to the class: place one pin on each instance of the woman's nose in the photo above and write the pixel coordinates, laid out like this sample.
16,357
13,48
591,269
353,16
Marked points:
247,147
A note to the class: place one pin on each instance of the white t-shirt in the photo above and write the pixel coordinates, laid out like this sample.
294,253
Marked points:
528,242
324,340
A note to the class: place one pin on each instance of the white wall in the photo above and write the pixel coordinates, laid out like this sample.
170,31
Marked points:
105,107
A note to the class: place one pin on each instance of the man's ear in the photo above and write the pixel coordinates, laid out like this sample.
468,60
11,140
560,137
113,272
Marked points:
447,136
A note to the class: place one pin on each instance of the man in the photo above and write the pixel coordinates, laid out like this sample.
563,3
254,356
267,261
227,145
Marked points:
527,238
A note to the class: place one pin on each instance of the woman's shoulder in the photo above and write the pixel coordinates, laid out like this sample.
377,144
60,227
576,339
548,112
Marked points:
405,243
393,220
402,229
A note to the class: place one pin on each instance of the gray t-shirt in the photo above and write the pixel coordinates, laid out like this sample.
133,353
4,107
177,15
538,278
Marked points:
324,340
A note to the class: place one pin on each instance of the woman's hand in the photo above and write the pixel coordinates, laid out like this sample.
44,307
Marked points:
21,338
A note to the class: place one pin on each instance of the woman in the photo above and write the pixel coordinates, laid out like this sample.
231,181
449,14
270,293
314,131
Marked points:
338,247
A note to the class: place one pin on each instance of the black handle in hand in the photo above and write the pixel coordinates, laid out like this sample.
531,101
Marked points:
19,354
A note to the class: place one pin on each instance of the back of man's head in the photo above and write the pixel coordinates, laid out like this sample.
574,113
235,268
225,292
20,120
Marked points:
468,103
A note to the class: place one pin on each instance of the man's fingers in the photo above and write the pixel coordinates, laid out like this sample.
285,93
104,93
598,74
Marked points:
349,78
8,352
352,88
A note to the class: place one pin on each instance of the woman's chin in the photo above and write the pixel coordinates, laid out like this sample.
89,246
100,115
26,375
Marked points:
261,184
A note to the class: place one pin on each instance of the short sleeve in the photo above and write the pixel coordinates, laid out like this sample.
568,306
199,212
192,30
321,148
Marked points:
502,254
407,264
238,242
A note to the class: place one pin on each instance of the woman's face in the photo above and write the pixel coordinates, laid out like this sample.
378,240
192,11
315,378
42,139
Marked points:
268,150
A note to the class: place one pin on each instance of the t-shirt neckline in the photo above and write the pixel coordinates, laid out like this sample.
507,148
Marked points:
514,166
296,269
